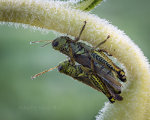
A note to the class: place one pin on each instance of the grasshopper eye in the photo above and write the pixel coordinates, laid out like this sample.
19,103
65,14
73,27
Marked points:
60,68
54,43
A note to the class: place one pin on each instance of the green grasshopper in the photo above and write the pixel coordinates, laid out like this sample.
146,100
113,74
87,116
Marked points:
77,51
86,76
89,57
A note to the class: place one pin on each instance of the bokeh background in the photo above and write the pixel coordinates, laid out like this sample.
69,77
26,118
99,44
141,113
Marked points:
54,96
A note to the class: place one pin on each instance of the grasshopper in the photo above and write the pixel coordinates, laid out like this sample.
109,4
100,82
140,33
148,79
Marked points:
89,57
108,76
86,76
78,51
102,72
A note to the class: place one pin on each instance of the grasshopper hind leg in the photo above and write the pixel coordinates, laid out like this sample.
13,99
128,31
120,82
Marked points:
114,94
111,99
120,73
121,76
115,97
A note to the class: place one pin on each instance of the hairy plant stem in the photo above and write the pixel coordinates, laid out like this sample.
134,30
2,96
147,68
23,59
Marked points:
61,18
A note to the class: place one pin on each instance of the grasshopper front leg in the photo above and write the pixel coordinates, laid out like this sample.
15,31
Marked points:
72,60
78,38
92,65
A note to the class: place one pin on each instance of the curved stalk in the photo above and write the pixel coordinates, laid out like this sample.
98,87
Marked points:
59,17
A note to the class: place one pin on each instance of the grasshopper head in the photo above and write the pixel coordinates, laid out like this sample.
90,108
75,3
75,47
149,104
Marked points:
63,67
60,42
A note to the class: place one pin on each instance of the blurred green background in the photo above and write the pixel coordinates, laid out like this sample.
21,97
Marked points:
54,96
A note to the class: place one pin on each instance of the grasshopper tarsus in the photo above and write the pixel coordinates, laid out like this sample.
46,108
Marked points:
111,99
78,38
102,42
118,97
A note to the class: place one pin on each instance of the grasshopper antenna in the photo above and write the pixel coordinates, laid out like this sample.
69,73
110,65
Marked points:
102,42
36,75
80,32
48,42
